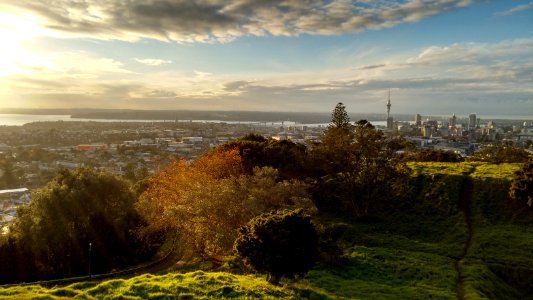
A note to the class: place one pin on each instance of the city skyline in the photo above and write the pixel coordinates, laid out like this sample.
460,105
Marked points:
437,57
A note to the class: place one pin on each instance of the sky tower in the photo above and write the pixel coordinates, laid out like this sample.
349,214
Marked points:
389,118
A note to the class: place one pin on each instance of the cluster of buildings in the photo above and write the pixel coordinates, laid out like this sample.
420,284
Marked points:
461,135
9,200
134,150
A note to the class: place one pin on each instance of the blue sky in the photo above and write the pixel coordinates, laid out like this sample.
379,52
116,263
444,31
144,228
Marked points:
437,57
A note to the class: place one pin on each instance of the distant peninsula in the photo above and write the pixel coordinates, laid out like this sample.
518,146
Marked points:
224,116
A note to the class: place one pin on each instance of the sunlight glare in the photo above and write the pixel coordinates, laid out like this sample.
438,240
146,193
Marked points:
15,30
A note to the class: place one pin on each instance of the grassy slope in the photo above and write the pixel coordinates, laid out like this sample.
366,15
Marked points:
499,263
412,255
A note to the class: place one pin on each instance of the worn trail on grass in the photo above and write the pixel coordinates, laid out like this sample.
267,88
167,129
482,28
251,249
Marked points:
465,204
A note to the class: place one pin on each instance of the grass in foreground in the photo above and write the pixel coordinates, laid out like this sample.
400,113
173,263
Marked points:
195,285
411,255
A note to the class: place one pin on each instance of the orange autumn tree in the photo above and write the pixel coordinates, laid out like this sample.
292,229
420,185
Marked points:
208,200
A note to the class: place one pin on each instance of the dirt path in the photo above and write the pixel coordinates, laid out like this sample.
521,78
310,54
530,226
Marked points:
465,204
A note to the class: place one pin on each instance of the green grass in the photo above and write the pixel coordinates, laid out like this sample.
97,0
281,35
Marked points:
194,285
442,168
410,254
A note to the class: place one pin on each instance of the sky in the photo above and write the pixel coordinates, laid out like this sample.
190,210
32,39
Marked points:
435,56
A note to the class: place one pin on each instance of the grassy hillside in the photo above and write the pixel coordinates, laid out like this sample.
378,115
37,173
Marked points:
456,237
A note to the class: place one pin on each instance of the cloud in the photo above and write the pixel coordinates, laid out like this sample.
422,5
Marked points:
152,61
236,85
432,79
369,67
475,53
516,9
221,20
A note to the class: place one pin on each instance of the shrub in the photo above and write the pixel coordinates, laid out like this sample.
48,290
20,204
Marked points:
522,186
281,243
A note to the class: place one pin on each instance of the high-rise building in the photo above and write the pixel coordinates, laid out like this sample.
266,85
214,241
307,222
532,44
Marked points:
389,118
418,120
453,121
472,121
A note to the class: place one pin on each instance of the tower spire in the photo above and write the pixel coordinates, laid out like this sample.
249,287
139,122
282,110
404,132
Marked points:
389,118
388,106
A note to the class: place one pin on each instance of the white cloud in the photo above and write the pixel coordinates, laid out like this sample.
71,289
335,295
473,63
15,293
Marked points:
437,78
152,61
221,20
516,9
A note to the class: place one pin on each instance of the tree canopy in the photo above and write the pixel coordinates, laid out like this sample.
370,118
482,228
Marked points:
77,208
208,200
501,153
361,171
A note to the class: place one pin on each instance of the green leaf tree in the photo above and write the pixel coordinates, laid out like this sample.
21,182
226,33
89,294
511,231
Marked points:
77,208
281,243
522,186
501,153
361,172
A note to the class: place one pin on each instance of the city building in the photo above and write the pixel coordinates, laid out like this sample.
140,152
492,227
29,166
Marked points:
472,121
452,121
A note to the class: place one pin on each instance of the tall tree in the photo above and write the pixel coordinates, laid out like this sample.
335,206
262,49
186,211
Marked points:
361,172
339,117
77,208
334,152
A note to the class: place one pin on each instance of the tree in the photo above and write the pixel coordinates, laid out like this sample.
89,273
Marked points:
334,152
522,186
74,209
8,175
208,200
501,153
426,155
289,158
339,117
361,171
281,243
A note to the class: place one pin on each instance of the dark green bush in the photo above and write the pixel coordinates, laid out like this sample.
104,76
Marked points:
522,186
281,243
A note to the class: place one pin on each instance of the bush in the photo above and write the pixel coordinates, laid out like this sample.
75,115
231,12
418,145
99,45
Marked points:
427,155
522,186
281,243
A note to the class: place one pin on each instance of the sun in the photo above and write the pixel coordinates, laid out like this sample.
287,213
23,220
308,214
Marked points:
15,32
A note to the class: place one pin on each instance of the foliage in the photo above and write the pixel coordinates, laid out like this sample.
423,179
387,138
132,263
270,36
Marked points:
73,210
427,155
281,243
339,117
361,172
135,173
501,153
410,254
208,200
9,177
522,186
288,158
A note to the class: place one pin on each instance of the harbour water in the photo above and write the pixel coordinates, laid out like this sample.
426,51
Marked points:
21,119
